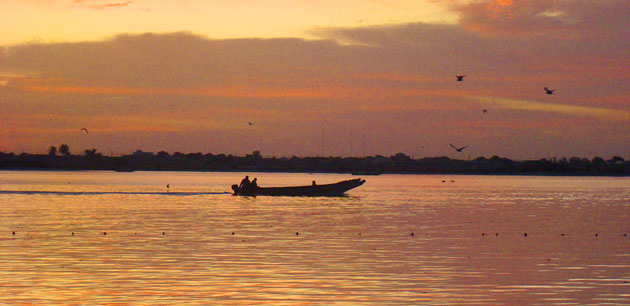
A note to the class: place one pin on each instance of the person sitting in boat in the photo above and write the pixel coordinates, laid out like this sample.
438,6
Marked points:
314,184
254,184
244,183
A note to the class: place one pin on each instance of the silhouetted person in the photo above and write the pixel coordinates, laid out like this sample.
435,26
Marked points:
314,184
254,184
244,183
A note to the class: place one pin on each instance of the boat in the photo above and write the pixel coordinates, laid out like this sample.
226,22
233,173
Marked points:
335,189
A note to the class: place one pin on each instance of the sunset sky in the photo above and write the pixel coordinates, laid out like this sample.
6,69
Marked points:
317,77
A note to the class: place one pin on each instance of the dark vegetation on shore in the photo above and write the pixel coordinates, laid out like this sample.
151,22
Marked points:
399,163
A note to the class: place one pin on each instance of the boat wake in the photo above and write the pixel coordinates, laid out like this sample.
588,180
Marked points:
78,193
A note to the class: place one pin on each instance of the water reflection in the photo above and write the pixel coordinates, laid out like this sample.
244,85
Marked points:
397,240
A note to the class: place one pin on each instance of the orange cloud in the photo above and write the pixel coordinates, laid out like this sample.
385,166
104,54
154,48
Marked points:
354,92
225,92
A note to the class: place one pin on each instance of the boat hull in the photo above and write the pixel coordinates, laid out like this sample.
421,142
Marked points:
336,189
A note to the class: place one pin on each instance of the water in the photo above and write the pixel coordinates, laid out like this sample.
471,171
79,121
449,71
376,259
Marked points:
106,238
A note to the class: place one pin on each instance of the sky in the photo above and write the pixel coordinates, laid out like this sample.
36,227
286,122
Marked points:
317,77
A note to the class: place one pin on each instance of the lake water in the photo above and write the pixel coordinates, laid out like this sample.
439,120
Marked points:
107,238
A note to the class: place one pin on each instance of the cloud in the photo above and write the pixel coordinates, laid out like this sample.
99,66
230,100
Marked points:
508,16
564,109
91,4
175,60
222,92
100,5
437,48
394,82
561,19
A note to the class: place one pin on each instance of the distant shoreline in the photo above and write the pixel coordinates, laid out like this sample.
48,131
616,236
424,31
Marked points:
321,172
360,166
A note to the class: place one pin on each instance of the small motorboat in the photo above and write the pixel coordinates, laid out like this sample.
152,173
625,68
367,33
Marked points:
336,189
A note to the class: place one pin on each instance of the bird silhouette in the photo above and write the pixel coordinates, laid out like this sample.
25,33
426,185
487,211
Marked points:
250,123
485,111
458,149
460,78
549,91
86,131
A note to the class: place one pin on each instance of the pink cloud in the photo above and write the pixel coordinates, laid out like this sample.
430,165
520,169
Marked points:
563,18
507,16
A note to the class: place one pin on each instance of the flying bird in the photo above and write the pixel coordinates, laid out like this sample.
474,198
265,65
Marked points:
549,91
485,111
250,123
460,78
458,149
86,131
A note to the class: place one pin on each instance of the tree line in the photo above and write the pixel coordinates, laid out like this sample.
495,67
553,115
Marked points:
61,159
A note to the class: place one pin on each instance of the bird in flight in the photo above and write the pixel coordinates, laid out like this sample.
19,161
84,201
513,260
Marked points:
458,149
460,78
549,91
86,131
250,123
485,111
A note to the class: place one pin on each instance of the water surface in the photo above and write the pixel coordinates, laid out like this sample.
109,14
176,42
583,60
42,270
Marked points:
103,238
